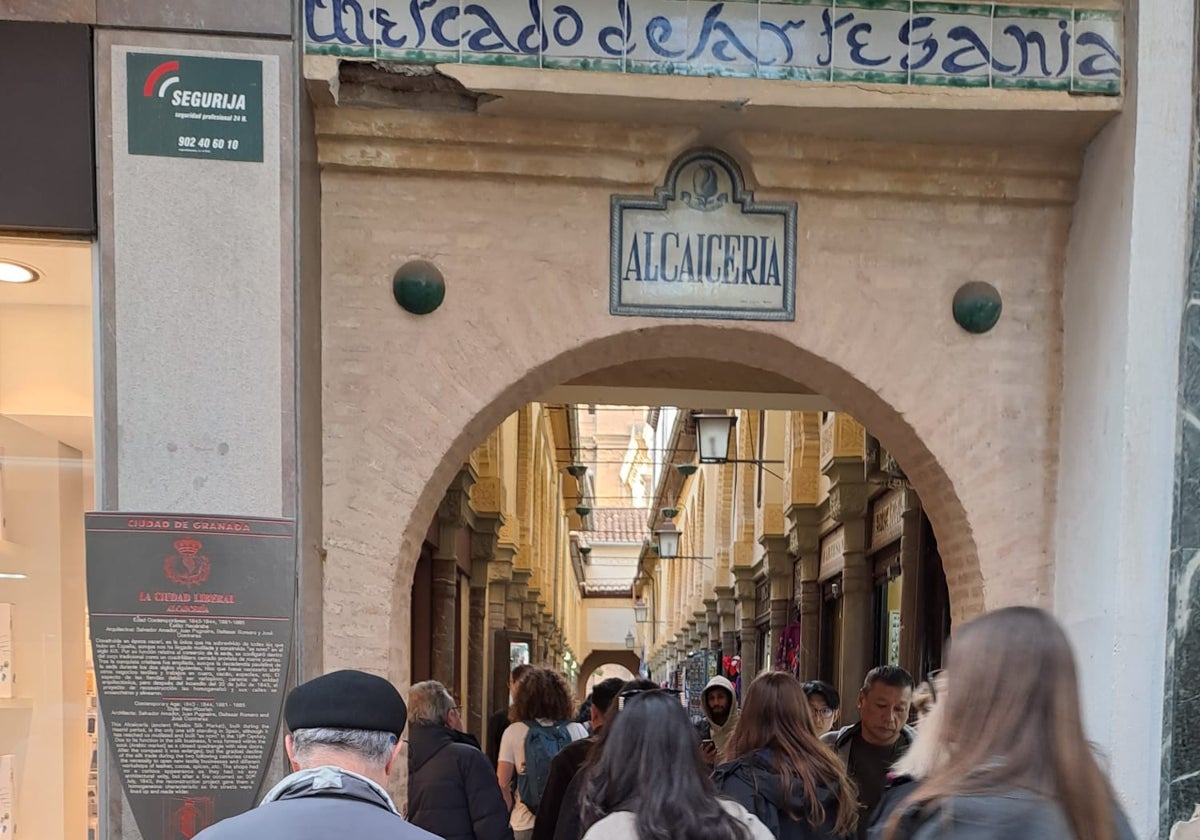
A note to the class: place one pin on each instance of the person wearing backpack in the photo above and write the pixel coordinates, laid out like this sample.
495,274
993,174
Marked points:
541,726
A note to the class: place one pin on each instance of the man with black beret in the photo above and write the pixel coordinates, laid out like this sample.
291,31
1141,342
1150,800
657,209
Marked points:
344,737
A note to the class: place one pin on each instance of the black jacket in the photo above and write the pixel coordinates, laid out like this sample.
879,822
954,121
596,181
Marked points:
563,768
755,785
570,813
1016,814
497,723
452,791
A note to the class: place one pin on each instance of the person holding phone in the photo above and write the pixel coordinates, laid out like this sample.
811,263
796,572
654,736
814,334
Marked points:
720,706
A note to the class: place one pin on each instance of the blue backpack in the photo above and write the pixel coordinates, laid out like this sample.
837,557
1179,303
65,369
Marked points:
542,743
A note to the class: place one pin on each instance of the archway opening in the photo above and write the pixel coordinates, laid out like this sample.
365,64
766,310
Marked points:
823,433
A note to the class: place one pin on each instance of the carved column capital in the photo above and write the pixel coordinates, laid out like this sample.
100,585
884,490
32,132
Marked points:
847,502
453,508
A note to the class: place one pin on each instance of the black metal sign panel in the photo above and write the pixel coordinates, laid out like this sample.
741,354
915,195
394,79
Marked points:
191,625
47,168
702,247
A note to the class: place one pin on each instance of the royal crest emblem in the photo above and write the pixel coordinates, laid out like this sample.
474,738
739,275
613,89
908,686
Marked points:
188,567
705,185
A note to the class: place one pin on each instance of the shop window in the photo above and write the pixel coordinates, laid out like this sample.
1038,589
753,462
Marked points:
831,632
765,648
886,611
49,765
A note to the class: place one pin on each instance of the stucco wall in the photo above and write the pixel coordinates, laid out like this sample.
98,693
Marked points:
1123,301
516,216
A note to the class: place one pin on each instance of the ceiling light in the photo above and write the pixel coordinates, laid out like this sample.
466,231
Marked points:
11,576
15,272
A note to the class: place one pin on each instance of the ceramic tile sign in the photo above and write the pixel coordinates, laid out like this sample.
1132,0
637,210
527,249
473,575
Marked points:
191,622
195,106
884,42
702,247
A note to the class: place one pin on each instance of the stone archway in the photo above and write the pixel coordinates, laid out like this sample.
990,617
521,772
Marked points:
972,419
377,627
598,659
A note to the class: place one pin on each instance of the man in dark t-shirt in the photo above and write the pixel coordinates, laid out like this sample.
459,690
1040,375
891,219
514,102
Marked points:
870,747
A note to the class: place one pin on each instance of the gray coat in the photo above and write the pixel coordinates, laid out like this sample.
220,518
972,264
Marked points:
319,804
1016,814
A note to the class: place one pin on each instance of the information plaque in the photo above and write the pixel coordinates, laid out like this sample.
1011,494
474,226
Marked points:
191,626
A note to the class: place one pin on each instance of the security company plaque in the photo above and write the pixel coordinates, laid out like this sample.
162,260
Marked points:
702,247
192,106
191,624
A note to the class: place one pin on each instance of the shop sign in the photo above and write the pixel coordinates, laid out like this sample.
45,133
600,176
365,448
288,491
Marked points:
887,520
702,247
1064,47
833,554
191,624
194,106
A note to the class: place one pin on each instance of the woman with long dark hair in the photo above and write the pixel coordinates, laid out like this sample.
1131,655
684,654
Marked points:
779,769
650,782
1003,754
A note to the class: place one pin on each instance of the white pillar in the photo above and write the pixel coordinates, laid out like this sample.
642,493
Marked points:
1122,300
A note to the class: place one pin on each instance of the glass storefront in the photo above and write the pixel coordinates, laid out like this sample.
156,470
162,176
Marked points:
48,717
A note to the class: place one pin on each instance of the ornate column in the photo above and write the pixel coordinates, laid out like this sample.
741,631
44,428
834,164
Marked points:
804,543
518,591
780,573
451,518
848,506
743,577
702,637
712,623
531,615
500,575
483,553
727,616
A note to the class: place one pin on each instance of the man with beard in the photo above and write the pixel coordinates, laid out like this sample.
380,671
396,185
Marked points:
720,706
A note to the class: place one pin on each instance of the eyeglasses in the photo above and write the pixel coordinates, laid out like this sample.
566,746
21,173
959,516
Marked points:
825,713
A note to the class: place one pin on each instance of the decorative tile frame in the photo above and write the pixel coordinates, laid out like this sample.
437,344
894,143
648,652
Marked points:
906,42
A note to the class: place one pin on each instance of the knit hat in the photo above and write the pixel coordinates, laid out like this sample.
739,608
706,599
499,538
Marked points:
346,700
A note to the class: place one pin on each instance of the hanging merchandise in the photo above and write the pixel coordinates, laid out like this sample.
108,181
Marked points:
734,671
787,655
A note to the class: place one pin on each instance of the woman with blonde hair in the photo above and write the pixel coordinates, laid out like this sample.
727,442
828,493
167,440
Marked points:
779,769
1003,754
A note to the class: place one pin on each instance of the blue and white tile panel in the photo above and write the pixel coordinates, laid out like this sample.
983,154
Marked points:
905,42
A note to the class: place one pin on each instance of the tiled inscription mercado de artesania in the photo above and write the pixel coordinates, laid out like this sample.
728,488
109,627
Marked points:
1064,48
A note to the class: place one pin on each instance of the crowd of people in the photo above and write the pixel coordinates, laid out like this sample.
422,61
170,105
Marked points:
990,748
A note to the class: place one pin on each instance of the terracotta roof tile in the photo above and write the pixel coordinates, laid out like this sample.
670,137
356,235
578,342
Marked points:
618,525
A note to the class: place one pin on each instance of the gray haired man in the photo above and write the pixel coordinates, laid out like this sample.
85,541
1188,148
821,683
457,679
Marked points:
452,790
344,738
